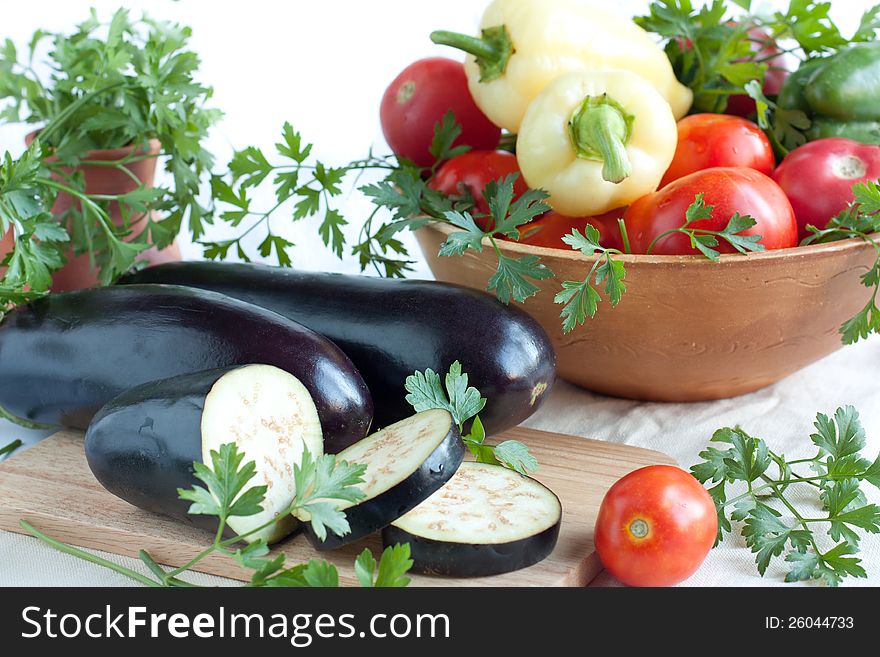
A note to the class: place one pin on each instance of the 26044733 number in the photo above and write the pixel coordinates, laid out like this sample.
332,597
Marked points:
809,622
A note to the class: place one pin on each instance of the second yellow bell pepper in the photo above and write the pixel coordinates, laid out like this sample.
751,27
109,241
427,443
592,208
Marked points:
596,141
526,44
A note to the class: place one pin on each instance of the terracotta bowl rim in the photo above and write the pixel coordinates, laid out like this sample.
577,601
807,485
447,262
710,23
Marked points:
509,246
108,154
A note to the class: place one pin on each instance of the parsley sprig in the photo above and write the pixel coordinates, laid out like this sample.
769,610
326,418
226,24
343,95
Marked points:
226,493
426,391
860,220
706,241
581,299
816,547
513,278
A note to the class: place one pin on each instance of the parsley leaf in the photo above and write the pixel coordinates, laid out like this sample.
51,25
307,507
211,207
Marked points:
320,482
225,480
511,279
464,403
445,134
394,563
516,456
426,392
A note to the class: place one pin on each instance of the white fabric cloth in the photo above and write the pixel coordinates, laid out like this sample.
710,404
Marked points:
781,414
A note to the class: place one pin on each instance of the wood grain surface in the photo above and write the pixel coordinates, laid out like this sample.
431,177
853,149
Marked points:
51,487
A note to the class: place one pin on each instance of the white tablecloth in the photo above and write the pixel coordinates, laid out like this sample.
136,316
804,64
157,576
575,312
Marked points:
781,414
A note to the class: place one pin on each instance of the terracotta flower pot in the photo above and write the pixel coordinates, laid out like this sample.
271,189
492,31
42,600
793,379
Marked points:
78,273
687,329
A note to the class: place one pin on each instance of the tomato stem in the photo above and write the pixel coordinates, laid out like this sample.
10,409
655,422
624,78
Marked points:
638,528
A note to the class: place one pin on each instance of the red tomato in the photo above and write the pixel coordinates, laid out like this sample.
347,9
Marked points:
818,177
471,172
729,190
549,229
766,50
419,98
718,140
655,526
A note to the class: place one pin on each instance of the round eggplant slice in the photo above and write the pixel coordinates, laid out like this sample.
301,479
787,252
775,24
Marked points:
141,446
486,520
406,463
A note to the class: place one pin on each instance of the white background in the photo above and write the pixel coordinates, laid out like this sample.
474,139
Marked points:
323,65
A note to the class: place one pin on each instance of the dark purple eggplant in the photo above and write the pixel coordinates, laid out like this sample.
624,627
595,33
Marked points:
64,356
142,444
392,328
486,520
406,463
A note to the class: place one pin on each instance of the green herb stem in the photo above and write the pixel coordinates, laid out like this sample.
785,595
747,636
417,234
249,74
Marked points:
86,556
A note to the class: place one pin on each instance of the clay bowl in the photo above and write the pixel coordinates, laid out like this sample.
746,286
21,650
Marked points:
688,329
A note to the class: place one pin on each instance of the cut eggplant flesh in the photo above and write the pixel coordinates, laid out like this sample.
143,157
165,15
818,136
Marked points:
486,520
406,463
142,444
271,416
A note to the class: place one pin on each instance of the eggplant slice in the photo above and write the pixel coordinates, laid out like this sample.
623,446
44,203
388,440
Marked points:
406,463
142,444
486,520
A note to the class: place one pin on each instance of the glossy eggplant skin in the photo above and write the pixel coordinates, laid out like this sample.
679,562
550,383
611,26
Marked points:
432,557
64,356
372,515
142,444
392,328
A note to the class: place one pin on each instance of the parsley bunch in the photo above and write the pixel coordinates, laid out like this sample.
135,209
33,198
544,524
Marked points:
226,494
426,391
817,546
111,85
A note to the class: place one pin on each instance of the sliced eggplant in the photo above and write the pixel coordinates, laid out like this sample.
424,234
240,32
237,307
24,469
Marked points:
64,356
486,520
406,463
141,445
392,328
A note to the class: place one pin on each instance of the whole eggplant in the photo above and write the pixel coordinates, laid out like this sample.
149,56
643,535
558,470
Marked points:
391,328
64,356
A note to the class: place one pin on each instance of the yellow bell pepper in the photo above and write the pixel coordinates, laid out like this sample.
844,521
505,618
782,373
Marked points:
526,44
596,141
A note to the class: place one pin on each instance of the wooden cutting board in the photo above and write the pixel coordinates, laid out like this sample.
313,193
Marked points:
51,486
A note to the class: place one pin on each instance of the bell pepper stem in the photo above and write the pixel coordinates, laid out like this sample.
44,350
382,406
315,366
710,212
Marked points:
492,49
600,130
469,44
